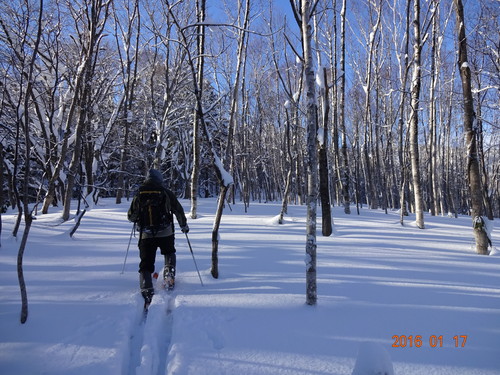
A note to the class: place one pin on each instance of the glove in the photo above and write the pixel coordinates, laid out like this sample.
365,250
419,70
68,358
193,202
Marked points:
185,228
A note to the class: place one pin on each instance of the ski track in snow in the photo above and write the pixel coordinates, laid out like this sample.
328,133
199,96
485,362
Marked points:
150,338
136,339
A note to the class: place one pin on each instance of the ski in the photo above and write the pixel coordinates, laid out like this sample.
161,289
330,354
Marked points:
167,284
145,311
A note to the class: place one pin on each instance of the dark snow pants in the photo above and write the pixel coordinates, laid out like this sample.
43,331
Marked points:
147,252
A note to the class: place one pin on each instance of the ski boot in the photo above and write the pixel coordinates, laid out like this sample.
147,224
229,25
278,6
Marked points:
147,290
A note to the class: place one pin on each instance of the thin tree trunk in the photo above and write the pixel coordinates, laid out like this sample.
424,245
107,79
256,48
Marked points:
324,190
195,174
432,183
415,104
368,137
28,219
75,160
345,168
402,107
288,184
312,158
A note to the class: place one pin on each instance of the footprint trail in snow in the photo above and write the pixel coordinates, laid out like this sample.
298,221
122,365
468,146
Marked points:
150,339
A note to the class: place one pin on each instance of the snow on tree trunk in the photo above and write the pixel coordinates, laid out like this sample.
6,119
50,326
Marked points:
50,195
473,170
312,157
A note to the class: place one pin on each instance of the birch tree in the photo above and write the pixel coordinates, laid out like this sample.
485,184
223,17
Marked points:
311,119
195,174
342,88
368,120
414,108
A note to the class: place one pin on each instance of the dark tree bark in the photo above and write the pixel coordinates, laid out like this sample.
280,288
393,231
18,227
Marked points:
473,170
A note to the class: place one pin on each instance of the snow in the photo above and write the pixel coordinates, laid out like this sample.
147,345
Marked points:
377,282
374,359
320,79
321,136
226,176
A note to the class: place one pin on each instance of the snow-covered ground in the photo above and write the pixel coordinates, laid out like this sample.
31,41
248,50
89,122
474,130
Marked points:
379,285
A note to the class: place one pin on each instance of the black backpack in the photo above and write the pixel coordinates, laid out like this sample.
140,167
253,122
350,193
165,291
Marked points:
153,216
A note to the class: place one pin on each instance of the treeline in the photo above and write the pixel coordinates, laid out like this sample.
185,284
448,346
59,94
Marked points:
95,92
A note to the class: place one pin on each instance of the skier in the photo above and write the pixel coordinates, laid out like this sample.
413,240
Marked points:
152,209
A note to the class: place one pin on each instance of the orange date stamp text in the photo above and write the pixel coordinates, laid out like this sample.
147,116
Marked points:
433,341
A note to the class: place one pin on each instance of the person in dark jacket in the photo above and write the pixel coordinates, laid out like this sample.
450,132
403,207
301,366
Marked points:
163,239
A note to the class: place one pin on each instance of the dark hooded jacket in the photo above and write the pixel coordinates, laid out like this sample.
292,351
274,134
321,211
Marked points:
154,181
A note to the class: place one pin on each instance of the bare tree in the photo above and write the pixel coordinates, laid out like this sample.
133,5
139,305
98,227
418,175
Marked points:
324,176
223,177
24,120
305,23
323,132
195,174
404,72
127,33
415,107
473,170
96,14
368,115
345,166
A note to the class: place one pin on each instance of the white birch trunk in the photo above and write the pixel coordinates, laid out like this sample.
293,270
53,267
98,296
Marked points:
312,158
415,103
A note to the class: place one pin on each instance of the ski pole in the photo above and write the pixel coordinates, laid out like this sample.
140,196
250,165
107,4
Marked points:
194,260
128,247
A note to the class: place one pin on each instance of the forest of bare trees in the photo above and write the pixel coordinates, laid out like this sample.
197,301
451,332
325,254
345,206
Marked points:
220,97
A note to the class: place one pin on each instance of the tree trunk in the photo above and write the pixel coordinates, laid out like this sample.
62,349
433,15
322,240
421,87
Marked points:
368,126
324,179
312,158
345,167
473,170
195,174
415,103
75,160
402,105
432,183
290,156
51,189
